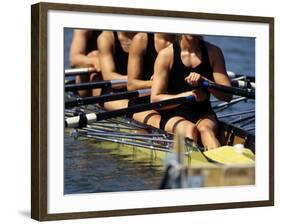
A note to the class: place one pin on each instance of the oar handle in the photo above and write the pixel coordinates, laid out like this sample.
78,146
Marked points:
77,71
80,121
249,93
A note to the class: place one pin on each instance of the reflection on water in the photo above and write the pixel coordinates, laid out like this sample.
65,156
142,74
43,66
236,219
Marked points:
89,168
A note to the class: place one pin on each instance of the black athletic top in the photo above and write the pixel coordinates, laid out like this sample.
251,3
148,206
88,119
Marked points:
149,57
179,71
92,41
120,57
176,84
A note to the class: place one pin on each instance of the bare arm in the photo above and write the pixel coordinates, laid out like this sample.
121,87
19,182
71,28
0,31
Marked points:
78,57
162,68
135,63
106,52
219,73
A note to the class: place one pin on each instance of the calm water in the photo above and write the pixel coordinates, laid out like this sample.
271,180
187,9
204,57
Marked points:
88,168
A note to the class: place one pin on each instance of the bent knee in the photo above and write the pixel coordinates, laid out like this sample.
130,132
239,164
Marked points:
188,130
204,129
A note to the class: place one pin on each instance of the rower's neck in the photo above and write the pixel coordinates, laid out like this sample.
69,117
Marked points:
190,43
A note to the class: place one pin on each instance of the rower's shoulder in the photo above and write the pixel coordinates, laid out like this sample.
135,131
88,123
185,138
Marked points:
213,50
166,52
140,37
139,42
165,56
82,32
106,38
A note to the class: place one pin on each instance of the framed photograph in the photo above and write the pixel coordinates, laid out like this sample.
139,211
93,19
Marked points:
138,111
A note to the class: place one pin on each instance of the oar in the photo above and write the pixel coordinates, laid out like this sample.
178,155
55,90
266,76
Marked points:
107,97
83,119
243,84
233,75
94,85
249,93
236,113
227,104
78,71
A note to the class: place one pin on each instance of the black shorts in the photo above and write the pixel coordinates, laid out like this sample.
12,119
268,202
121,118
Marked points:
192,112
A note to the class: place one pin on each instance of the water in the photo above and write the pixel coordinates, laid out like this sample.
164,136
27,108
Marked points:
89,168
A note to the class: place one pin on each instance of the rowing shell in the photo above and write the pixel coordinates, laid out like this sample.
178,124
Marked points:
144,140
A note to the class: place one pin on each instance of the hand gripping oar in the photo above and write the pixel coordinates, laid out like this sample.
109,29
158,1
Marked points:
106,97
83,119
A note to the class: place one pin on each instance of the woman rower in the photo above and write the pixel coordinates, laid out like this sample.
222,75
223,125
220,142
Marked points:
84,54
178,70
113,54
142,55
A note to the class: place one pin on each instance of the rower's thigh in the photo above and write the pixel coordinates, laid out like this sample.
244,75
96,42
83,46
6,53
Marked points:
150,117
115,105
180,124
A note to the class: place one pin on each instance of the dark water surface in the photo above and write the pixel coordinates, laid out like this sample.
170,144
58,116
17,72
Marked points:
88,168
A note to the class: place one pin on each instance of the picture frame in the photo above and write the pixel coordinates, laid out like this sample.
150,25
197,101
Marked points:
41,22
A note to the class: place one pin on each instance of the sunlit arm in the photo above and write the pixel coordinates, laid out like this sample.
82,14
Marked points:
219,73
77,56
106,52
135,63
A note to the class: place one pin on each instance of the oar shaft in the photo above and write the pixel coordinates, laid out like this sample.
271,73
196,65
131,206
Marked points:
94,85
249,93
236,114
105,98
83,119
144,107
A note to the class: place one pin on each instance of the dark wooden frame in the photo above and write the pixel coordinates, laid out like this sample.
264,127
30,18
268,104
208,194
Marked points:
39,110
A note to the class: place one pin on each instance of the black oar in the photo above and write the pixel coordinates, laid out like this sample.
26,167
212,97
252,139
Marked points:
83,119
249,93
78,71
94,85
107,97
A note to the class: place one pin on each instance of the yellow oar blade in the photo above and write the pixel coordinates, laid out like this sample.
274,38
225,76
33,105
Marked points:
230,156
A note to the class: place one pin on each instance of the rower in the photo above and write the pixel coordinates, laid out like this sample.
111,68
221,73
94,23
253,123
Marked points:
178,70
84,54
113,54
142,55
